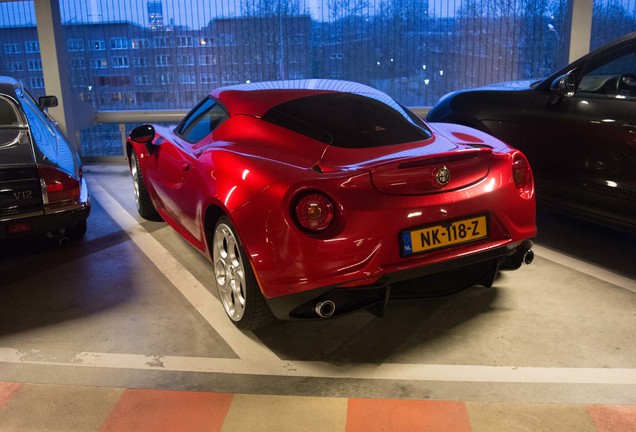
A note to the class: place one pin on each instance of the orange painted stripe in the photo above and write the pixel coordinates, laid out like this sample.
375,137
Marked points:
613,418
162,410
7,390
370,415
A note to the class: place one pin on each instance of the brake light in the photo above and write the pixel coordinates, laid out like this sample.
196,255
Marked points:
57,185
314,212
522,176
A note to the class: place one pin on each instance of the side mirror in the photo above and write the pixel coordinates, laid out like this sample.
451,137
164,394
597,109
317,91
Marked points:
564,86
143,134
47,101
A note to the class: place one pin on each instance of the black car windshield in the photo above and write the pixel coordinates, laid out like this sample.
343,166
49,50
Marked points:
349,120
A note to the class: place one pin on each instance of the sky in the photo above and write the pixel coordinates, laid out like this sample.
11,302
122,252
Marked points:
196,15
190,13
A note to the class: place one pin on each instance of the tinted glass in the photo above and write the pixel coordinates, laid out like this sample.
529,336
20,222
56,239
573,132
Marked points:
613,76
202,121
8,116
347,120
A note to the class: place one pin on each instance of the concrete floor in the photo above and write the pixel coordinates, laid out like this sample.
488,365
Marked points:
133,306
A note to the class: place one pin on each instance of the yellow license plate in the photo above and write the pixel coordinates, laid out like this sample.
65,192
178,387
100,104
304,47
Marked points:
443,235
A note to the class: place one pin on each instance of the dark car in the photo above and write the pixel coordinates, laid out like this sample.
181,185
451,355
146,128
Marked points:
41,186
577,128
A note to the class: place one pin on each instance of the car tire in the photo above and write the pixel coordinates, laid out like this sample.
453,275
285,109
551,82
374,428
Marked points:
145,207
238,289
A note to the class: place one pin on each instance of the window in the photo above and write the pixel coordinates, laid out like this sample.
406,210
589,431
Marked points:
34,65
99,63
206,41
187,78
78,63
161,42
97,45
120,62
142,80
15,66
75,44
32,47
12,48
398,47
201,121
141,62
207,79
119,43
348,120
611,20
164,78
185,60
614,77
162,60
207,60
184,41
8,115
36,82
140,43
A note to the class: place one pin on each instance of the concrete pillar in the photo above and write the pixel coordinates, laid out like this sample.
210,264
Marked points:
581,34
71,113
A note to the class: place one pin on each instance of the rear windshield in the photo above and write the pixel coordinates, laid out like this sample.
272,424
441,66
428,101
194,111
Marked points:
8,116
349,120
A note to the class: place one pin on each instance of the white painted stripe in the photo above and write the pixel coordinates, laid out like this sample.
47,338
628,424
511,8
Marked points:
387,371
244,344
257,359
585,268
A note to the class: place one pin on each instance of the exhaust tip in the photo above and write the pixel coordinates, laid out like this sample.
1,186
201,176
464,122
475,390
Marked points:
325,308
528,257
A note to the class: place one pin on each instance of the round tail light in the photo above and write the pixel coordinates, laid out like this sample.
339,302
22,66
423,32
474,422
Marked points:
314,212
522,176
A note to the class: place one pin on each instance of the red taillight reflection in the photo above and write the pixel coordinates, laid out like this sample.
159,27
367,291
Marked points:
522,176
19,228
314,212
58,186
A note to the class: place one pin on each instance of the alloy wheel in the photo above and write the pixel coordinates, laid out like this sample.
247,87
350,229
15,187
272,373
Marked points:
229,271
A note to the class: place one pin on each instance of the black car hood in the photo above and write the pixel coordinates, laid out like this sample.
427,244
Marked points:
501,102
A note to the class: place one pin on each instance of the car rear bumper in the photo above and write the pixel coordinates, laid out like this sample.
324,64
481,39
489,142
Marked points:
426,281
51,219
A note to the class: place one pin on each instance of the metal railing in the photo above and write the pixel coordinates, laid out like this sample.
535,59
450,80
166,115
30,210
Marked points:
123,118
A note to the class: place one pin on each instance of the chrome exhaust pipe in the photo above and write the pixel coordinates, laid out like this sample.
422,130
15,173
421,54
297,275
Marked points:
325,308
528,257
59,237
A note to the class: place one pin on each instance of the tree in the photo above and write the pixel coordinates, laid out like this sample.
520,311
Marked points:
611,20
270,8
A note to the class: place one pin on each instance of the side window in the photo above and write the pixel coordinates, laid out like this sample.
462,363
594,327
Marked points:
8,116
616,77
202,120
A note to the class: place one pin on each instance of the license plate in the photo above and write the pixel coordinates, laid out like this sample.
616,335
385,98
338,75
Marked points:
443,235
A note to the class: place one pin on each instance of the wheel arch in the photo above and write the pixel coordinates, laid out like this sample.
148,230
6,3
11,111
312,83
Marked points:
212,214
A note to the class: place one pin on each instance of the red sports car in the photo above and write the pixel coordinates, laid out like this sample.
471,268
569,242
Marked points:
317,198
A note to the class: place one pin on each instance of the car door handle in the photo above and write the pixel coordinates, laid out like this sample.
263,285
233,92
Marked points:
185,166
629,126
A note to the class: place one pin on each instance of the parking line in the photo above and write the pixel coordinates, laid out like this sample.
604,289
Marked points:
244,344
256,359
585,268
386,371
